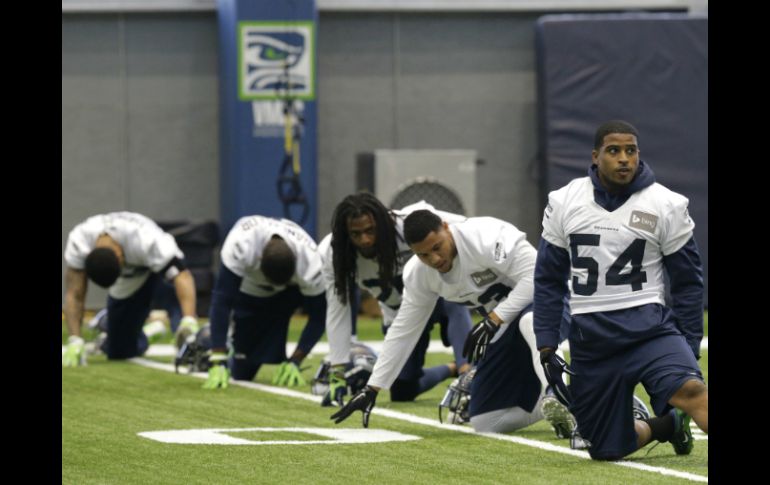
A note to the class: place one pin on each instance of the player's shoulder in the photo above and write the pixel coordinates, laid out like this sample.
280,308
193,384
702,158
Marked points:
415,270
483,235
91,224
482,225
253,223
662,201
325,243
325,246
661,194
244,236
566,193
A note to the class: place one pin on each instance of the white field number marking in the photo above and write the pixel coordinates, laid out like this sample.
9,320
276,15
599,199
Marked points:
218,436
432,423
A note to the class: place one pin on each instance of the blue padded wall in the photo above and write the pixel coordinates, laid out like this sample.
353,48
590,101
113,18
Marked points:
648,69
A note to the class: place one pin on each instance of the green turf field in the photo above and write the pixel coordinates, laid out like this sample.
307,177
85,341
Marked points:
106,404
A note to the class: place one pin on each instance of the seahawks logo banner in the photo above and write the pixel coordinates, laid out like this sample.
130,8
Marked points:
268,128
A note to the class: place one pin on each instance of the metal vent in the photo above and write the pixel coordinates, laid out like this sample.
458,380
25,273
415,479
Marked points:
431,191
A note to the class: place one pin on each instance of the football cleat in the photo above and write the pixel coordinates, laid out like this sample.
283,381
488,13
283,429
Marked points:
682,438
99,321
640,410
577,442
558,415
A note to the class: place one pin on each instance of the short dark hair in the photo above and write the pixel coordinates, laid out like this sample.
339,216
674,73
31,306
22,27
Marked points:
613,126
419,224
278,261
103,266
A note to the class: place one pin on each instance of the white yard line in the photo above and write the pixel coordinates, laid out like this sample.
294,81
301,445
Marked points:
429,422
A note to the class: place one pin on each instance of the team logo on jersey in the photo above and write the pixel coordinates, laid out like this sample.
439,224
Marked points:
644,221
500,254
483,278
276,59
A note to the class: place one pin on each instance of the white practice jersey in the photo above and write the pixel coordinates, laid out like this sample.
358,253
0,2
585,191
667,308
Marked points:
493,270
338,317
146,247
242,254
616,257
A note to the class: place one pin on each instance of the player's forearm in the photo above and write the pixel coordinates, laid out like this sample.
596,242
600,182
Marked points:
73,313
519,267
74,299
338,328
185,292
298,356
516,301
219,316
686,283
551,273
311,334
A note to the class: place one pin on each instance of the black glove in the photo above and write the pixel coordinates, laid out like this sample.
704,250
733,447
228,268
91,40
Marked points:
477,340
363,401
554,367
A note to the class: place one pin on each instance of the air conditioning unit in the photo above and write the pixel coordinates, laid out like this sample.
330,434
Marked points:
444,178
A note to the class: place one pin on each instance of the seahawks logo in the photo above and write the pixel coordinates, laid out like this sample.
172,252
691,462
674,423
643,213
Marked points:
268,57
275,60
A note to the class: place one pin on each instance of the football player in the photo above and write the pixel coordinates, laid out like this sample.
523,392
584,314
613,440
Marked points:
486,264
366,250
269,268
128,254
613,234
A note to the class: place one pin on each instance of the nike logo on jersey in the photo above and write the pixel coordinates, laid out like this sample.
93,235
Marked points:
644,221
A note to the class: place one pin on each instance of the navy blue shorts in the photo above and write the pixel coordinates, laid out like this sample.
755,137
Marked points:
125,319
602,390
505,376
261,327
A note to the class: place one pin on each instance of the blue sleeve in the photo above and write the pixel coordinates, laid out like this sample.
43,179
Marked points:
316,322
685,274
552,269
223,298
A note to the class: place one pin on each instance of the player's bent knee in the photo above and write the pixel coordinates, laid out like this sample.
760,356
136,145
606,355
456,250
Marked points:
483,426
692,389
605,457
402,390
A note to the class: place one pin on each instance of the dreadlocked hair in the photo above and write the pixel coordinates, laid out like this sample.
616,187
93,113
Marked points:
344,259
